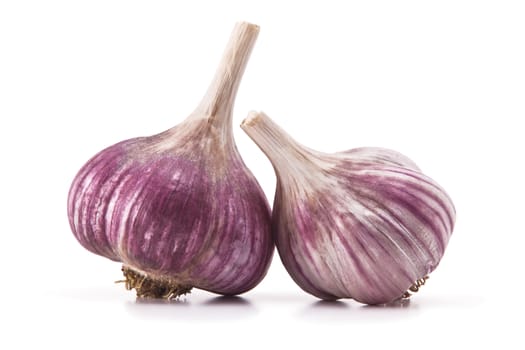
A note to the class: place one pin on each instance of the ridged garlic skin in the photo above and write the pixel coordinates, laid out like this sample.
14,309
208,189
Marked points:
180,209
362,224
174,213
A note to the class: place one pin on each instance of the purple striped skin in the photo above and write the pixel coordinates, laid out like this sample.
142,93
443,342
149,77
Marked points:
362,224
380,255
175,213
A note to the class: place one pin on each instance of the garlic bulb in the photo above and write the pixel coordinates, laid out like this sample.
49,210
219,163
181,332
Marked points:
363,224
180,209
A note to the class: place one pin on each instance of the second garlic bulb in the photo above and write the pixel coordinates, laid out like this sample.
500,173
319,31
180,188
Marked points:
363,224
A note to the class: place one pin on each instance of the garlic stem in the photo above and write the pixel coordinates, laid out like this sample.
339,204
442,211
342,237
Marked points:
217,104
280,148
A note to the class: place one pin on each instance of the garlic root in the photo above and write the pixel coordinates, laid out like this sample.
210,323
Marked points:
151,287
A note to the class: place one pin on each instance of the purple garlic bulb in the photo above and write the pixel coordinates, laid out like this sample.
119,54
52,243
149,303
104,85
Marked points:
363,224
180,209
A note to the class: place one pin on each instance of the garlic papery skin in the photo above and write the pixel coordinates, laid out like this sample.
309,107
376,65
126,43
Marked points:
363,224
180,209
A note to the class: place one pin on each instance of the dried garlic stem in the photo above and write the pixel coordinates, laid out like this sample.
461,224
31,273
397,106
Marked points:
218,101
282,150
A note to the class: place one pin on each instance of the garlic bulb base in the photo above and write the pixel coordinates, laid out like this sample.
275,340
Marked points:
414,287
154,288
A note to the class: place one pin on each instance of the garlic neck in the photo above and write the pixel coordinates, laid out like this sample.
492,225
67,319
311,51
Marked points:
291,160
217,104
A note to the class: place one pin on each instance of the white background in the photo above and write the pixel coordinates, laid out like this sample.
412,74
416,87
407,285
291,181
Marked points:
441,81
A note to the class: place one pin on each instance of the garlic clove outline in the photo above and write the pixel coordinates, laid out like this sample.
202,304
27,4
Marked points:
365,224
180,209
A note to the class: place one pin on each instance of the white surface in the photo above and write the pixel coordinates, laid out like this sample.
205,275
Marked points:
442,82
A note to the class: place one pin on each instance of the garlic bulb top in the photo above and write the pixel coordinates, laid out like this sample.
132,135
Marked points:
363,224
180,209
